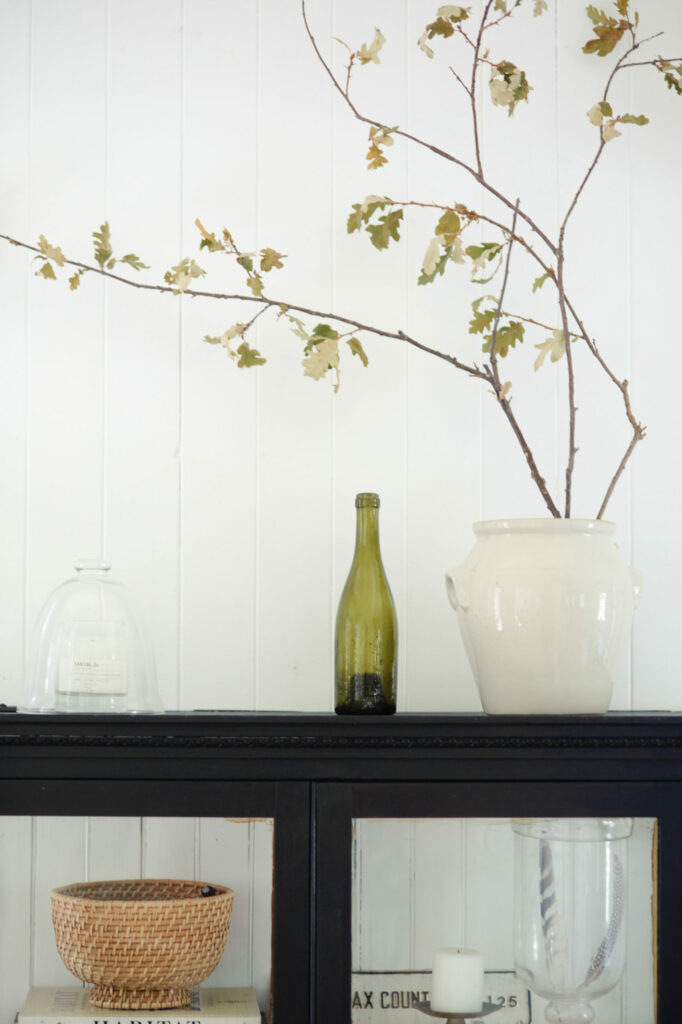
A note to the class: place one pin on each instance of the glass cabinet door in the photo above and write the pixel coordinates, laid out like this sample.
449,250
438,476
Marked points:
561,911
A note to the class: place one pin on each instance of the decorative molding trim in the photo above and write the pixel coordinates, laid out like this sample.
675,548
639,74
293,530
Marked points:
341,742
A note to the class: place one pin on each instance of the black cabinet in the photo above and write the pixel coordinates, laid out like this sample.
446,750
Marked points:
313,774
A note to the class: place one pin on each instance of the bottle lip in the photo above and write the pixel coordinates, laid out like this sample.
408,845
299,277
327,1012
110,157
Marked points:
367,499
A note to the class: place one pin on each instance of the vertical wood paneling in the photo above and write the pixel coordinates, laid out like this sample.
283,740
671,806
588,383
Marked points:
490,891
16,919
597,279
440,882
219,440
113,848
59,859
443,405
228,856
294,476
383,905
144,168
656,217
15,129
169,848
65,345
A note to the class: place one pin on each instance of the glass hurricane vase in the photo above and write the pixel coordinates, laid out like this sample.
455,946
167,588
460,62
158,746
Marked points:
570,900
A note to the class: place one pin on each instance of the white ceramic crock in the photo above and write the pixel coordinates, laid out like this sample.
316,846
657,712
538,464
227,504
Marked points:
545,608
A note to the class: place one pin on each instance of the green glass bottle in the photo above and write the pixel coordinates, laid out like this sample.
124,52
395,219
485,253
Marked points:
366,627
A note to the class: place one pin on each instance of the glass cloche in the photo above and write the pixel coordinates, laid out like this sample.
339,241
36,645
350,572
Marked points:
88,651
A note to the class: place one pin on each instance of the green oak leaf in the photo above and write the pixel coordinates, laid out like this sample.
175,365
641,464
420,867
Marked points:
386,229
672,82
47,271
356,348
596,17
362,213
246,262
508,85
482,254
255,283
482,320
507,337
608,31
103,250
640,119
208,239
134,261
448,226
438,270
321,334
182,275
249,356
51,252
322,331
447,17
539,281
271,258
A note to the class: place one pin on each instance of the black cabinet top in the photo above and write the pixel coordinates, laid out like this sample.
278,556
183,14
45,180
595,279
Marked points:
316,747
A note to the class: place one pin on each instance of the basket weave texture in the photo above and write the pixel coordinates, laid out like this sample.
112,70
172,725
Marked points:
142,942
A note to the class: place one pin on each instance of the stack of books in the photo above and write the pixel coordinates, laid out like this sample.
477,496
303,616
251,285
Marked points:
71,1005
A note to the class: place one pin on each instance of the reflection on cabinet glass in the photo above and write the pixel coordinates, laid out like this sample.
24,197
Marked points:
38,854
421,884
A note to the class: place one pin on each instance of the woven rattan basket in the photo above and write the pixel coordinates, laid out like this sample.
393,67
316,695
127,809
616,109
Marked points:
141,942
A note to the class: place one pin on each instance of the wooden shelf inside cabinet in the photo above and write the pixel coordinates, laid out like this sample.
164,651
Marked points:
314,773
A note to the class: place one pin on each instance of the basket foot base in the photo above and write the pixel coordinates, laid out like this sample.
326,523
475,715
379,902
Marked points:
113,998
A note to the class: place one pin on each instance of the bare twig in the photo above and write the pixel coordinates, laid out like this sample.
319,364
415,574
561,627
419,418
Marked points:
496,383
266,303
345,93
472,94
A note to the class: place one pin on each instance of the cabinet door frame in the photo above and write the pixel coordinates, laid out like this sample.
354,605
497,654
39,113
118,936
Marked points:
287,803
336,805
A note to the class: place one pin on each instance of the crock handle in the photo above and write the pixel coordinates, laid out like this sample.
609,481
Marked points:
458,591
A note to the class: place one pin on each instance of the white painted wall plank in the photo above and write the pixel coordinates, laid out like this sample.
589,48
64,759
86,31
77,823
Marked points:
64,350
144,172
219,440
16,916
226,849
114,848
169,847
295,447
440,882
383,897
14,283
59,859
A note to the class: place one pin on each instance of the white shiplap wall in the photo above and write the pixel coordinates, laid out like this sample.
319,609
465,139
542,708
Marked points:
224,498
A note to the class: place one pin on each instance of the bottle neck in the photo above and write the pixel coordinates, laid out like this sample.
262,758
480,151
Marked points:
367,529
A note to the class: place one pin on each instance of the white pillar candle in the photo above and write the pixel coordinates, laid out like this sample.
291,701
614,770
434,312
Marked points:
457,980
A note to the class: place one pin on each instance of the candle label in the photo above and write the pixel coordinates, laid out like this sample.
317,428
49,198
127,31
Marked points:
392,997
93,658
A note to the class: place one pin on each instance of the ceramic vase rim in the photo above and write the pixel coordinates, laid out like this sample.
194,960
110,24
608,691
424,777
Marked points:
550,525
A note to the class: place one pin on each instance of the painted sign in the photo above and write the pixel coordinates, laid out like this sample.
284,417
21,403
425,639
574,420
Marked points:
391,997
